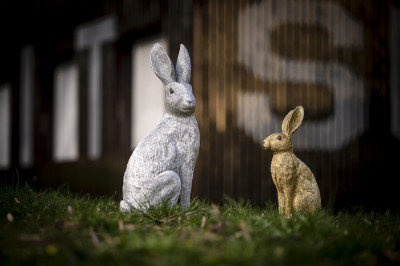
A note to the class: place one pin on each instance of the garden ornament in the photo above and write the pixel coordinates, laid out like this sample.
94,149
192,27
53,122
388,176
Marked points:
295,183
161,167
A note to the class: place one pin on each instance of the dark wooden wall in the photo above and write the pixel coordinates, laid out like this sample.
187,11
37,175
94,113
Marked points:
237,95
231,161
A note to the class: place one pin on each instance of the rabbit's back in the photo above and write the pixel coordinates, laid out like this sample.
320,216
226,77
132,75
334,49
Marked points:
307,195
306,178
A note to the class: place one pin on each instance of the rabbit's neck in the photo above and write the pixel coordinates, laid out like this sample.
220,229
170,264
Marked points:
179,119
282,153
178,113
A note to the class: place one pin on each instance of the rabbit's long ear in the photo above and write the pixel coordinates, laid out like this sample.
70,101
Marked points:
292,121
161,64
183,67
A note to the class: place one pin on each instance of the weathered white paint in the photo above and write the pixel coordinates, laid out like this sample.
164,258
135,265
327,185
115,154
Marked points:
92,36
66,113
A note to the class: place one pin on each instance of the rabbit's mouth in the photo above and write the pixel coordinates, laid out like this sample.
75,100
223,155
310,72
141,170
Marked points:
188,109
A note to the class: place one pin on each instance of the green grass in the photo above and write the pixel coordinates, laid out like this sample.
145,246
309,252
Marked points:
57,227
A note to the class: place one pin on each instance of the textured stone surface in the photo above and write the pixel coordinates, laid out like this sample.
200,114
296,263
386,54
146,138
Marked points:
296,185
161,166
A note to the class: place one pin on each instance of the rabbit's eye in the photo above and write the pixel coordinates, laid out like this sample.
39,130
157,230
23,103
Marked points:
279,137
171,91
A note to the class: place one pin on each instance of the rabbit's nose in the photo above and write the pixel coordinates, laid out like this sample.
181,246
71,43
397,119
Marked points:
266,145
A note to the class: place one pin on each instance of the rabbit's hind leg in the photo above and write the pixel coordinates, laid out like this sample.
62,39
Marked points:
166,187
306,201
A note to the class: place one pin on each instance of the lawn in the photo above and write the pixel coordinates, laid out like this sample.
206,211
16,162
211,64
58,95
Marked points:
57,227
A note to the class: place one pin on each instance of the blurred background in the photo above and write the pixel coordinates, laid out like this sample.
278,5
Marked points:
77,92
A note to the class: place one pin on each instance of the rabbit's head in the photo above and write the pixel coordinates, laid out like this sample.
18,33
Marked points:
281,142
179,99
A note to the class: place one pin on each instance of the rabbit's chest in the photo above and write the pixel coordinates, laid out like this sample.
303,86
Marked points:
189,142
283,170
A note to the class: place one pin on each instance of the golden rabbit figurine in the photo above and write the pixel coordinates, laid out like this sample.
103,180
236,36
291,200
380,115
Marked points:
296,185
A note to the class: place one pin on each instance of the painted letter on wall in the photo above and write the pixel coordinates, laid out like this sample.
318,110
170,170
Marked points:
348,118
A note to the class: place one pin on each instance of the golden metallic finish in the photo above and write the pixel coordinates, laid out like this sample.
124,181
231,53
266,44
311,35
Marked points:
296,185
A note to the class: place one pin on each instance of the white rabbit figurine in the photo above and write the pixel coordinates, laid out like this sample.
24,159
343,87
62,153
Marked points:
161,167
296,185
